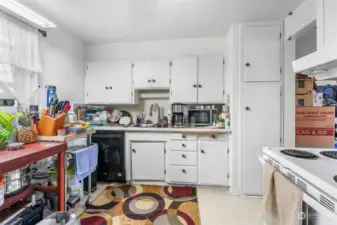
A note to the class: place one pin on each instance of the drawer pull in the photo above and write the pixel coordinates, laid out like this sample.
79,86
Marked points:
133,150
184,136
214,136
184,156
183,145
184,171
202,151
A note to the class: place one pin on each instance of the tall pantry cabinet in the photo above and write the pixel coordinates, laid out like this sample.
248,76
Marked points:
253,76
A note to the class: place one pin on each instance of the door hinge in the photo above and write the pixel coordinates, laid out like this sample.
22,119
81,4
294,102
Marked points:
281,70
87,67
165,151
280,93
223,91
223,62
228,150
281,141
171,64
132,65
87,93
171,92
228,175
280,35
164,171
170,81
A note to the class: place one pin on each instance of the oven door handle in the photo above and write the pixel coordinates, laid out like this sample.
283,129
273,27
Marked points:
319,208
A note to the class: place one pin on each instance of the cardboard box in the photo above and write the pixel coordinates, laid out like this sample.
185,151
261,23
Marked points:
315,126
305,87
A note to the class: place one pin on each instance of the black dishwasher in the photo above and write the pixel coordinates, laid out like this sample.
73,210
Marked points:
111,165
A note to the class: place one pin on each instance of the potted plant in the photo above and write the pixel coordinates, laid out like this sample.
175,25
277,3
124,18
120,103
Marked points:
7,127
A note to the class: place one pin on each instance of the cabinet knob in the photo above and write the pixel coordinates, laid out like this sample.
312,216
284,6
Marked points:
154,81
202,151
184,136
184,156
194,85
214,136
247,108
106,88
149,81
184,171
133,150
248,64
110,88
183,145
200,86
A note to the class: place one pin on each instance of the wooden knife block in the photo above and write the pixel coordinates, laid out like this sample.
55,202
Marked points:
48,126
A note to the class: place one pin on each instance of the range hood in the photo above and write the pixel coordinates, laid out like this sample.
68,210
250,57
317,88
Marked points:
318,62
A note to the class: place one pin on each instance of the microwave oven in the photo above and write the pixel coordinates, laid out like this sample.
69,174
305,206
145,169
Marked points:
202,117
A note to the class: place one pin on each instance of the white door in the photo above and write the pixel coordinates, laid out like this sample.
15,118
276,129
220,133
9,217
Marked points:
120,82
260,127
97,89
160,73
330,18
262,53
213,163
184,80
210,79
148,161
141,74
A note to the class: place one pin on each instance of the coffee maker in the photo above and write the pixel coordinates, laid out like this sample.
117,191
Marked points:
178,115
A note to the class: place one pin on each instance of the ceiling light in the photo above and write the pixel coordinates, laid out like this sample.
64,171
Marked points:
23,13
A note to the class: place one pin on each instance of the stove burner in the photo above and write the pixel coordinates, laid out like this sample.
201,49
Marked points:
299,154
330,154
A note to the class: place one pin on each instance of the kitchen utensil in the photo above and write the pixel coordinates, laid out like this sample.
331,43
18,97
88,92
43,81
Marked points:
15,146
115,116
125,120
17,180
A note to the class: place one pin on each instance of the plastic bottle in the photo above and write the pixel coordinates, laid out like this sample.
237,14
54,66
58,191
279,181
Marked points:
227,121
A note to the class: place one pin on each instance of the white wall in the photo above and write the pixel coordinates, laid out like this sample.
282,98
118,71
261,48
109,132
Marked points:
62,65
151,49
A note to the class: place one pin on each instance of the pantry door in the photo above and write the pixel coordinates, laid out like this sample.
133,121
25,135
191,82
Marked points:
260,127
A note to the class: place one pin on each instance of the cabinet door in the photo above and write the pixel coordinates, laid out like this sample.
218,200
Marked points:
303,17
142,154
141,74
120,82
261,126
210,79
330,18
97,90
160,73
184,73
213,163
262,53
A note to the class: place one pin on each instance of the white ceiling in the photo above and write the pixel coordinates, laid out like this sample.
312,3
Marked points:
97,21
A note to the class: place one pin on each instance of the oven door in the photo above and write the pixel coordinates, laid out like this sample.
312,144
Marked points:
315,213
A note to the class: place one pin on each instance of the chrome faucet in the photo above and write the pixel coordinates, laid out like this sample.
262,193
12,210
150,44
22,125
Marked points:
154,107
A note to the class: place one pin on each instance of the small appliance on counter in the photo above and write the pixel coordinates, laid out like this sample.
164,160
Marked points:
201,115
178,117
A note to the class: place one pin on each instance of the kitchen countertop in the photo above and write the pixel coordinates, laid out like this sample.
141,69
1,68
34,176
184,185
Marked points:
172,130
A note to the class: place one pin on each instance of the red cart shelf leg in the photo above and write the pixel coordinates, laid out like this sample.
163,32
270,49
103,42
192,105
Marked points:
60,181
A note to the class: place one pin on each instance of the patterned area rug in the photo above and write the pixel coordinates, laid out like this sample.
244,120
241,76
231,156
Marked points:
143,205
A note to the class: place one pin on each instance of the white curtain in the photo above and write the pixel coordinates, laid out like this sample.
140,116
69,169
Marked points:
20,62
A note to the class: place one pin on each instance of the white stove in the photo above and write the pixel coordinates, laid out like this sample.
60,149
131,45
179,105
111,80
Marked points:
315,172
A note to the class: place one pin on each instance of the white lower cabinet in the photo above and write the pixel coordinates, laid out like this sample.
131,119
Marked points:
182,174
148,161
212,163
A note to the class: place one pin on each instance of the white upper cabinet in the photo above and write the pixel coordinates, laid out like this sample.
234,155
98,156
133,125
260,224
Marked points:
197,79
262,52
109,82
151,74
211,79
328,20
300,19
184,80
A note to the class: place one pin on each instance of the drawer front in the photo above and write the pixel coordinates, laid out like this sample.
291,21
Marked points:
183,145
215,137
182,158
182,174
178,136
